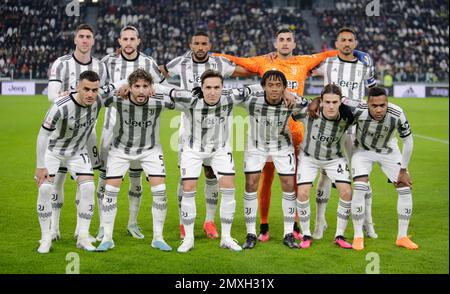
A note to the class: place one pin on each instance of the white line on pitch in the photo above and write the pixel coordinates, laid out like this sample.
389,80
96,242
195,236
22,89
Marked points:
431,139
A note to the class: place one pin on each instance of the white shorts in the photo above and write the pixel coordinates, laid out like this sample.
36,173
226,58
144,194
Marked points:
92,151
221,162
337,169
363,160
284,160
152,162
78,164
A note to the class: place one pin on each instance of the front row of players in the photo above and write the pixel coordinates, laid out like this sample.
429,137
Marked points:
69,122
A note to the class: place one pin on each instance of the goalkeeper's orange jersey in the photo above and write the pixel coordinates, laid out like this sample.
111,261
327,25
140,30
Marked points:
296,68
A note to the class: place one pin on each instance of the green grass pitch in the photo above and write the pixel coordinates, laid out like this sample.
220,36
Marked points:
19,124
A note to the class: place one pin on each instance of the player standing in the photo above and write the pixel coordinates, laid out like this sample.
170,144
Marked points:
119,66
352,75
136,140
322,150
376,143
296,69
208,112
64,74
62,140
190,67
269,137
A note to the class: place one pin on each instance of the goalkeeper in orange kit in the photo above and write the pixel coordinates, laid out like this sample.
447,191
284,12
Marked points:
296,69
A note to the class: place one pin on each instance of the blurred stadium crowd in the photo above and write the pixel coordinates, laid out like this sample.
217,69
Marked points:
409,39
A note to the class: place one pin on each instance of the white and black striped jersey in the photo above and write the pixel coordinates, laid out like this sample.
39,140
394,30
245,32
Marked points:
137,126
379,136
119,68
351,76
269,124
323,137
190,71
207,127
67,69
71,123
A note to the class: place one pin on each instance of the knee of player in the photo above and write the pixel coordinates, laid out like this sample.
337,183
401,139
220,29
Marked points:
114,182
345,193
251,186
251,183
189,186
287,183
303,192
364,179
226,182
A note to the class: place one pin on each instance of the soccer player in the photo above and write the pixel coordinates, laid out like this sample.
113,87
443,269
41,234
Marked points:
208,111
296,69
269,136
190,67
119,66
322,150
376,143
62,140
63,78
136,140
352,75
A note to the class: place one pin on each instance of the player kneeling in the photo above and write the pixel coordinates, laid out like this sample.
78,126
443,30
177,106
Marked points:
136,139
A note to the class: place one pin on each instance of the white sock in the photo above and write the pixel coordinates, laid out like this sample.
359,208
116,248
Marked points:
304,216
322,195
101,194
404,210
212,198
159,210
57,199
368,206
134,195
343,214
77,202
288,204
86,206
188,212
180,196
227,209
44,209
360,190
250,210
109,210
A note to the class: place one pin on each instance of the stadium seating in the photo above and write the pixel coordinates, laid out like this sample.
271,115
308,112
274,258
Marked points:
409,39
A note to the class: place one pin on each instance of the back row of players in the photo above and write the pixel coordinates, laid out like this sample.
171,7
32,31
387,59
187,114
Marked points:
67,139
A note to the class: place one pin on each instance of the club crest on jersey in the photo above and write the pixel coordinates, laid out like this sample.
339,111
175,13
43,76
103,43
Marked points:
294,71
292,84
196,79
